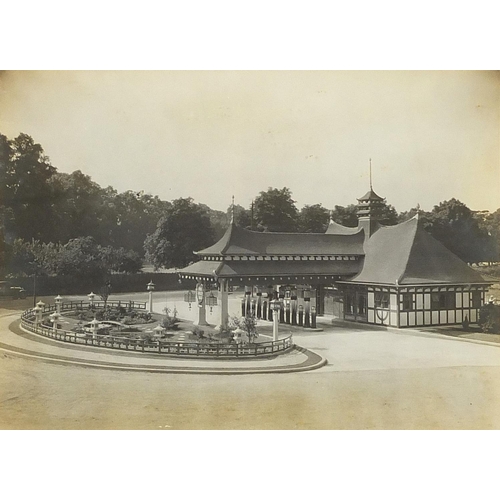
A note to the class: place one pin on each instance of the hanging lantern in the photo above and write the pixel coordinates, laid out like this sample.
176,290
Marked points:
189,297
211,301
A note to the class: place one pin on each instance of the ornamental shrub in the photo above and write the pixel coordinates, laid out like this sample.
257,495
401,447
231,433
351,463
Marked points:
489,318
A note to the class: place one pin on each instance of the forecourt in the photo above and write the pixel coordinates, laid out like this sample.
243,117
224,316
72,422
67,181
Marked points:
375,379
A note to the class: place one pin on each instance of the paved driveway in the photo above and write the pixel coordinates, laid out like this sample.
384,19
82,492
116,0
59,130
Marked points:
375,379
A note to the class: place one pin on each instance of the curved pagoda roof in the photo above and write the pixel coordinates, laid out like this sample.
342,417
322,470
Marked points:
335,228
240,242
371,196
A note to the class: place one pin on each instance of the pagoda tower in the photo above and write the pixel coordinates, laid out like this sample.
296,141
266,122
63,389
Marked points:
369,209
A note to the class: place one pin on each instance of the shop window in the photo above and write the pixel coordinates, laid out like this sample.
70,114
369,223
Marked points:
476,299
442,300
408,302
350,304
381,300
362,304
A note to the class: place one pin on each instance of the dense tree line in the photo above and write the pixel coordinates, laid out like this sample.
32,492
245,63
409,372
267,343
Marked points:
81,258
37,202
58,223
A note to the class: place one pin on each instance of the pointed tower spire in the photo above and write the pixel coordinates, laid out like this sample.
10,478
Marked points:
331,215
232,210
371,186
369,207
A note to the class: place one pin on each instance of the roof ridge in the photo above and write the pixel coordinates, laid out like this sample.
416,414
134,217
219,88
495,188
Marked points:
411,247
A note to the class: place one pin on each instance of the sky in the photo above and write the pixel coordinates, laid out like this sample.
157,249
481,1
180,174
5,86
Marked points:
431,135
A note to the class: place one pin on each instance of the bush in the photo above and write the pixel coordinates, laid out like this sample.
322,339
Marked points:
170,322
489,318
199,332
248,324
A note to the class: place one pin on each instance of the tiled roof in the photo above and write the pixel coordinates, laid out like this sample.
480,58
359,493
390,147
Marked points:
225,269
371,196
239,241
334,228
406,254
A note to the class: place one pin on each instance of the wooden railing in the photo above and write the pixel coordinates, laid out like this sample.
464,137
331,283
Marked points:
190,349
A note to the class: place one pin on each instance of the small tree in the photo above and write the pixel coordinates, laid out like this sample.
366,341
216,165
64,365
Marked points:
170,321
489,318
249,325
105,292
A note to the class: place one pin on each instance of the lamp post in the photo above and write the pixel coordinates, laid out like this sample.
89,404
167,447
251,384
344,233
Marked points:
40,304
58,302
54,317
91,297
34,289
38,314
150,288
276,308
158,329
94,324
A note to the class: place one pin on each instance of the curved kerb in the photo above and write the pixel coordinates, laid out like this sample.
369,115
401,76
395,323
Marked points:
312,362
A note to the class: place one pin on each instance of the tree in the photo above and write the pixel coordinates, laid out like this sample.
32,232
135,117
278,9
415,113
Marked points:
82,258
490,222
80,208
275,210
218,219
346,216
242,216
387,215
25,195
454,225
136,215
313,219
184,229
105,292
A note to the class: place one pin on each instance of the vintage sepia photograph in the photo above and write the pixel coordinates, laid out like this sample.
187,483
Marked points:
262,250
249,250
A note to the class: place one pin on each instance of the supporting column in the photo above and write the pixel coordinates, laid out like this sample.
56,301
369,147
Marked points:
259,303
202,312
281,295
276,307
224,303
294,307
307,308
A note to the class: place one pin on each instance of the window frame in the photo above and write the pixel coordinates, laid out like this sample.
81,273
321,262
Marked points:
445,301
475,299
404,304
381,298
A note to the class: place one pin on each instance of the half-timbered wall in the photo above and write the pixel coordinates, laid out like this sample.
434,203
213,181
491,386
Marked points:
415,306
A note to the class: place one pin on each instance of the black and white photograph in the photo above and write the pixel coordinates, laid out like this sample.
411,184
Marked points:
289,250
249,250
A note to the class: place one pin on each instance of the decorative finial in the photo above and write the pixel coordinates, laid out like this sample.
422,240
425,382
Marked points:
232,209
371,188
417,208
331,215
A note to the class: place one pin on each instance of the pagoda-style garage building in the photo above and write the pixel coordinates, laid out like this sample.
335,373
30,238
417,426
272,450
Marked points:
387,275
